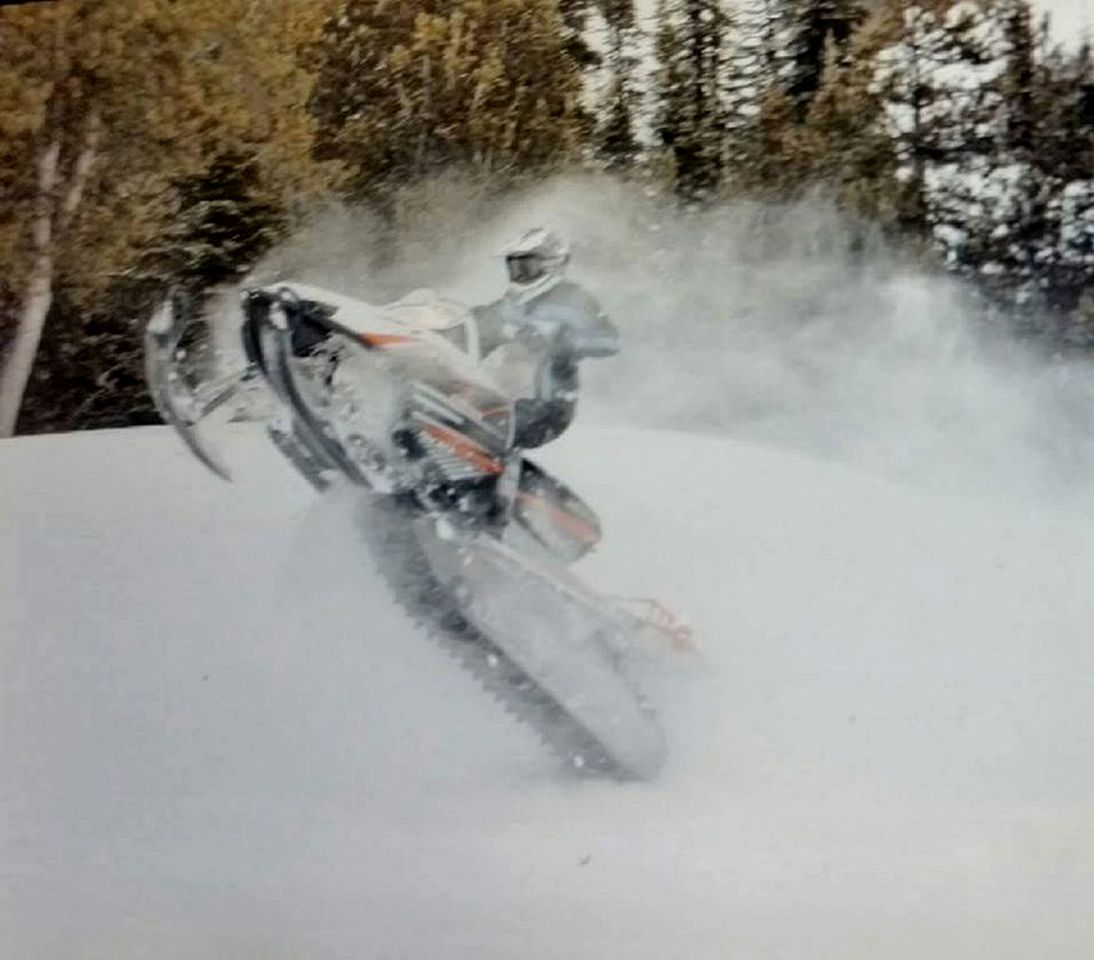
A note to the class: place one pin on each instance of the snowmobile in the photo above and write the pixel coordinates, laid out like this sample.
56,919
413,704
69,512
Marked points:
472,537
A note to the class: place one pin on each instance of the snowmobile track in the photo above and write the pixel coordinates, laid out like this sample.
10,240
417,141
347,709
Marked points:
405,568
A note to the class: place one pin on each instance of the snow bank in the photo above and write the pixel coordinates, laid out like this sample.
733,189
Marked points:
219,739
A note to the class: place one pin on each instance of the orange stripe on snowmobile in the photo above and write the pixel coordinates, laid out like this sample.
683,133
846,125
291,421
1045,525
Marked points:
568,521
386,339
465,448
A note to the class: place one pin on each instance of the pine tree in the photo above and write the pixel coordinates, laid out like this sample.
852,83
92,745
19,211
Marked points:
843,141
410,89
1006,247
616,138
575,20
987,117
1063,157
1066,108
225,219
777,56
816,31
1020,80
619,15
617,143
939,81
691,116
756,64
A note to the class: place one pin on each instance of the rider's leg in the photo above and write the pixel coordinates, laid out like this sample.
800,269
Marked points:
541,421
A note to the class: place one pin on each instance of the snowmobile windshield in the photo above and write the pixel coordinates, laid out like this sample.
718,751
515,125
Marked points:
456,335
525,268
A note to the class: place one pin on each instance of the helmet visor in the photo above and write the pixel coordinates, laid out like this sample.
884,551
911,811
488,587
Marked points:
524,268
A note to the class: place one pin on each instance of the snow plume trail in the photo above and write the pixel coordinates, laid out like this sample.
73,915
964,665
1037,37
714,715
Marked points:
781,325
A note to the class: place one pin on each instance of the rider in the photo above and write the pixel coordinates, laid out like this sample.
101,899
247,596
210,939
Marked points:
556,320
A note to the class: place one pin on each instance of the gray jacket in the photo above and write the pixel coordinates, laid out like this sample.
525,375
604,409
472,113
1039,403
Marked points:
565,323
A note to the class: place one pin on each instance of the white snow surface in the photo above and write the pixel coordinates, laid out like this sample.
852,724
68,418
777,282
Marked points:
220,739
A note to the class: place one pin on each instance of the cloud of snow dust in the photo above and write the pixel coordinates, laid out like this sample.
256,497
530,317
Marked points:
791,329
778,325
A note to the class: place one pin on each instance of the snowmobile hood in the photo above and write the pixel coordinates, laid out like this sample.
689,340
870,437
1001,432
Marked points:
419,312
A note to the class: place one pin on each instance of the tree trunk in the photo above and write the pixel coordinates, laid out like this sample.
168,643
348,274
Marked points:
39,296
48,221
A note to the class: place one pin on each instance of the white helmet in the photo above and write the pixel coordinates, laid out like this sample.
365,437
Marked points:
537,259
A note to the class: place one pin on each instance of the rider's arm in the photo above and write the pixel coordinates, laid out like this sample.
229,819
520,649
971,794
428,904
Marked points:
599,338
588,331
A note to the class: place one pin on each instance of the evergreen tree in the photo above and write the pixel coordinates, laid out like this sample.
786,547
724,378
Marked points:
617,143
616,135
1020,80
778,55
1062,250
407,90
756,65
225,219
691,115
992,127
940,83
1006,247
1066,110
619,15
575,21
816,32
843,141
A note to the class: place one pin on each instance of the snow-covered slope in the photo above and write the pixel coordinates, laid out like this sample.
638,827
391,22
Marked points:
219,739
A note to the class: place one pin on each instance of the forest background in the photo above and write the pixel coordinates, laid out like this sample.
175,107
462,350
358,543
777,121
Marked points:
151,144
